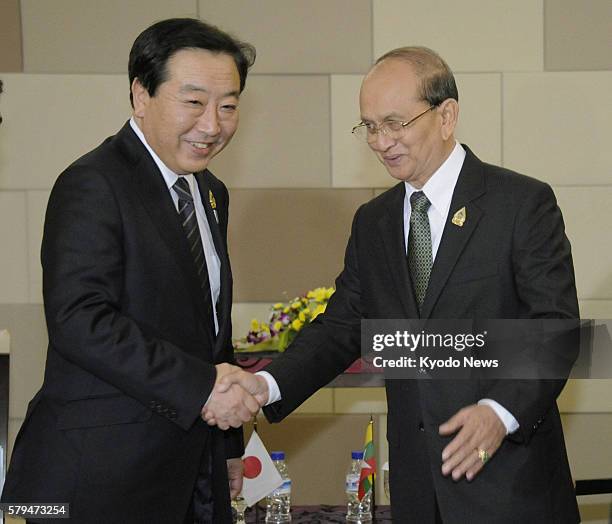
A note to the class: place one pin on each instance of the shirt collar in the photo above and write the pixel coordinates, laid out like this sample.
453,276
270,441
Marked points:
439,188
169,176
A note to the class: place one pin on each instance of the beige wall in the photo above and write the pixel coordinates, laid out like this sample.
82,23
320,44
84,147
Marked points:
535,78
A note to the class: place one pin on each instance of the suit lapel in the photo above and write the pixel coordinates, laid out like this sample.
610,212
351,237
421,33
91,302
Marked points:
470,185
224,306
155,197
391,226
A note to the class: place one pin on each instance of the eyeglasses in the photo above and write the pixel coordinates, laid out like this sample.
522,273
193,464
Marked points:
394,129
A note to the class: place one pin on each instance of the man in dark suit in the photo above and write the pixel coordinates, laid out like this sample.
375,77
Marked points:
456,239
137,293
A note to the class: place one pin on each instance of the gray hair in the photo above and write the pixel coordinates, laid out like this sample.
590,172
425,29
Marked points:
437,80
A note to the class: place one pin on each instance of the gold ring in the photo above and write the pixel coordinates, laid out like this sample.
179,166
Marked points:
483,455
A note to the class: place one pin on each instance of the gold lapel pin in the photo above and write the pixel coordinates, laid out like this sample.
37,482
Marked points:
213,202
459,217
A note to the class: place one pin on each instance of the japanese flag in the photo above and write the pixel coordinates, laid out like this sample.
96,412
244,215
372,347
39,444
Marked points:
260,474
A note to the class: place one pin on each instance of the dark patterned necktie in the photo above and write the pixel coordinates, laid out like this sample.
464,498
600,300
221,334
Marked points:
186,210
419,246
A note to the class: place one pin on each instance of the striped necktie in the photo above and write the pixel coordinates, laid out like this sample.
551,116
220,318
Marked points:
419,246
186,210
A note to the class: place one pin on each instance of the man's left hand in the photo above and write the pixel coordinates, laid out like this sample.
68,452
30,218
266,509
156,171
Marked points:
479,428
234,475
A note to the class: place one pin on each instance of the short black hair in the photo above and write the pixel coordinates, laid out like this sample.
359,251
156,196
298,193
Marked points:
437,80
158,43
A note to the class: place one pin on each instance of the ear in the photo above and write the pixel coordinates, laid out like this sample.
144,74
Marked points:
449,110
140,98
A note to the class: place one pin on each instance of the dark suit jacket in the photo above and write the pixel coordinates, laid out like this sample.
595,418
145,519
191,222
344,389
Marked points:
115,429
511,259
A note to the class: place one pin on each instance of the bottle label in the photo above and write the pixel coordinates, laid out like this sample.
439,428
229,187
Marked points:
352,483
284,489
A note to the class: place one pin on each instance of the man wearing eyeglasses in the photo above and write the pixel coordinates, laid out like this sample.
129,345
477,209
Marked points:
455,239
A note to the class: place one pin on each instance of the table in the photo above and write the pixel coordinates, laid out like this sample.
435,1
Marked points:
320,515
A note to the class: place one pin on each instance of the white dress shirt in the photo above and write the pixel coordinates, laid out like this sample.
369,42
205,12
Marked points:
212,259
439,190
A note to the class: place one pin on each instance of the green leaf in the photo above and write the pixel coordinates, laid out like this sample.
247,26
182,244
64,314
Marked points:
272,344
283,340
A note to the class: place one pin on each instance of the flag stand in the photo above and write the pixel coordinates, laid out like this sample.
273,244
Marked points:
257,503
373,479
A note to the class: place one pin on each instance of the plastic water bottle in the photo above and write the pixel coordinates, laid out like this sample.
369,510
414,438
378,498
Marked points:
278,507
357,511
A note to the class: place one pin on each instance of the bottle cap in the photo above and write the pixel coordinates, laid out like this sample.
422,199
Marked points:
277,455
357,455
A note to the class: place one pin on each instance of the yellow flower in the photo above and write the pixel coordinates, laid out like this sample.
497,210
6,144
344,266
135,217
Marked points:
296,304
286,309
302,315
319,294
278,325
265,328
278,305
254,325
329,292
297,324
318,310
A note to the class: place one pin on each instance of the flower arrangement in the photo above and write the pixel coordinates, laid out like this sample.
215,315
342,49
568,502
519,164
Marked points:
285,321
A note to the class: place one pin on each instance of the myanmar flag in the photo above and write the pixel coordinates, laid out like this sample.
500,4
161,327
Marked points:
368,466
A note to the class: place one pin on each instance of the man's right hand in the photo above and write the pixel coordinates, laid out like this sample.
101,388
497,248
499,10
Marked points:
255,384
243,383
229,404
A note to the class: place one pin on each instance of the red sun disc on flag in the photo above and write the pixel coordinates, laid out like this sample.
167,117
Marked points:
252,466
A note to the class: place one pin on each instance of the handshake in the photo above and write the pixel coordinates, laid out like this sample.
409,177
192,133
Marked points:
235,398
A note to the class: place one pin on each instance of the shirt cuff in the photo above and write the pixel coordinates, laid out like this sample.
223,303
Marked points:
506,417
274,394
208,399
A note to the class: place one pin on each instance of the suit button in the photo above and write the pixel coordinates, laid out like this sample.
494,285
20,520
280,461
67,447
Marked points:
421,426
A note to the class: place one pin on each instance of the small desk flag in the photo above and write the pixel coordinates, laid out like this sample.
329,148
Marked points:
260,474
368,466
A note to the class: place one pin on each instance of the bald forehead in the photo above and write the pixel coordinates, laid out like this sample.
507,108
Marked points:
392,63
392,73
